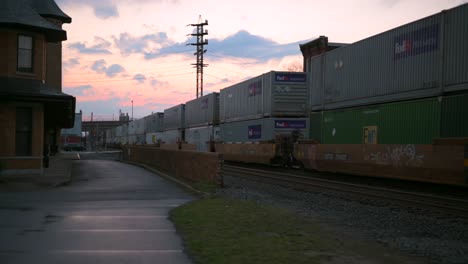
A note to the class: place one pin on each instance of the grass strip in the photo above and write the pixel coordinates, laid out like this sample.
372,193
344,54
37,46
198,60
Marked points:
232,231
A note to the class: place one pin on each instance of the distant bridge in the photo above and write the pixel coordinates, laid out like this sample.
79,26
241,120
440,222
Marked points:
96,127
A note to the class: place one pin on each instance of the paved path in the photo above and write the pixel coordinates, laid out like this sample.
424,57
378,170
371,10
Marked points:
110,213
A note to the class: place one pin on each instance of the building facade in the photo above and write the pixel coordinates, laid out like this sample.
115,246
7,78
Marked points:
33,108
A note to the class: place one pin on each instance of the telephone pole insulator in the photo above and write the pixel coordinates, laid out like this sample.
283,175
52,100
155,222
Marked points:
199,65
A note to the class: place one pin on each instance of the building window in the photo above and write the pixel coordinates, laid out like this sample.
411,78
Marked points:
23,131
25,53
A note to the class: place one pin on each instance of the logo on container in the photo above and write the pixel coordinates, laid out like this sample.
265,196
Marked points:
254,132
290,124
255,88
290,77
417,42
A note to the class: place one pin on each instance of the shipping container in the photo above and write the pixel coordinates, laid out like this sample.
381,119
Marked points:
154,123
155,138
136,127
422,59
410,122
201,136
202,111
263,129
273,94
454,116
316,126
174,117
173,136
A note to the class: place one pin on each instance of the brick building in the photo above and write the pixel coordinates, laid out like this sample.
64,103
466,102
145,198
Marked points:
33,108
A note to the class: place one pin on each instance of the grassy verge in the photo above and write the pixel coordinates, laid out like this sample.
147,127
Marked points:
226,231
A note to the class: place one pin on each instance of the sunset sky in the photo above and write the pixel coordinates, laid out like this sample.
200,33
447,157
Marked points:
123,50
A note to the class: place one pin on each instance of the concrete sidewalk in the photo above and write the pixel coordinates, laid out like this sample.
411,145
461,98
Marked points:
58,173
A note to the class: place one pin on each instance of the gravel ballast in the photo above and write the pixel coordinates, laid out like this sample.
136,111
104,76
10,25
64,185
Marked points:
433,236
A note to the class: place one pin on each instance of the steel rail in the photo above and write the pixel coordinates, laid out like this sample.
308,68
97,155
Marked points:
458,207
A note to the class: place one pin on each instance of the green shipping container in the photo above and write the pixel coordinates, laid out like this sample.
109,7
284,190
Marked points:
454,116
409,122
316,126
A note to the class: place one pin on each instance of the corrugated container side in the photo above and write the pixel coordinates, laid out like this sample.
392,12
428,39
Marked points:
136,127
375,69
263,129
172,136
289,94
316,126
242,100
200,136
154,137
270,94
316,82
174,117
410,122
202,111
154,122
454,116
455,47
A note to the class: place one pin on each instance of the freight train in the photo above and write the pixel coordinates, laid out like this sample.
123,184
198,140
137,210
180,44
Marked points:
408,85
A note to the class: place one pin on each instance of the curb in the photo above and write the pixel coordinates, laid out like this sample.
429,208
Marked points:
164,175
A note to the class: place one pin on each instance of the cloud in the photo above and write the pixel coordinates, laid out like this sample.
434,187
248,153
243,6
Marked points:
245,45
129,44
158,84
211,84
102,9
241,44
140,78
78,90
101,46
99,66
70,63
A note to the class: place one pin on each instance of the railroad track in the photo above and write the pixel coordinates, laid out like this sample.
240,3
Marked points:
450,205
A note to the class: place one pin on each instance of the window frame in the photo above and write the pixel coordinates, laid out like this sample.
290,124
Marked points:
28,132
18,48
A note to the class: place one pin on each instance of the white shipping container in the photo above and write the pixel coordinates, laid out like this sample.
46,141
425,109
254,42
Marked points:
201,136
174,117
173,136
275,94
154,138
263,129
202,111
425,58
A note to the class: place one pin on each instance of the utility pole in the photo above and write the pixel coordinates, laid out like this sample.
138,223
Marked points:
132,110
199,65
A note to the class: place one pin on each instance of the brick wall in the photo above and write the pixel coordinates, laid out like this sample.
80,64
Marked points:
189,165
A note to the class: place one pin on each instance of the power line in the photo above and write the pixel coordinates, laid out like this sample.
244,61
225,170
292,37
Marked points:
125,79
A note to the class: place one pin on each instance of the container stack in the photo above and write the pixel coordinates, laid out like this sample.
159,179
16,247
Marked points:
402,86
261,108
154,125
174,124
202,121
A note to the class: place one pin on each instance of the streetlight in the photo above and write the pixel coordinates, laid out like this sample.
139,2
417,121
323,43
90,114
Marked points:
132,110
